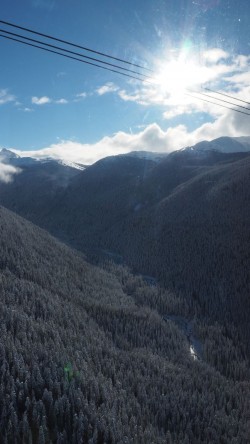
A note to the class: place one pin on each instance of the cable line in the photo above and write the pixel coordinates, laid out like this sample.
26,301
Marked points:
115,68
106,55
221,100
74,58
75,45
74,53
226,95
218,104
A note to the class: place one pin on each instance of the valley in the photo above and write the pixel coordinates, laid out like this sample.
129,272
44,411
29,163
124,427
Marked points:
124,316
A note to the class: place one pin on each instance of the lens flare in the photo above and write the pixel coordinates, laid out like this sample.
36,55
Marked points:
182,72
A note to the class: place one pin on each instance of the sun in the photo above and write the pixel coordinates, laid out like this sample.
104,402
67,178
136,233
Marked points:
175,76
180,74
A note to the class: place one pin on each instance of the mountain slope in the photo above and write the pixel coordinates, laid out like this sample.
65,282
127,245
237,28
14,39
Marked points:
83,361
117,189
34,187
195,239
127,204
183,220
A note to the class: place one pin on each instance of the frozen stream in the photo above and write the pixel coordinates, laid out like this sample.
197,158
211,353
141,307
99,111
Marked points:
186,326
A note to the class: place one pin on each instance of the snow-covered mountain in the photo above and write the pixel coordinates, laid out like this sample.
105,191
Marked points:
68,163
223,145
227,145
9,157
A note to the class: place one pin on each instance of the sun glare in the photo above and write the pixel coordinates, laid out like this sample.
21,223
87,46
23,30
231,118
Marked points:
180,74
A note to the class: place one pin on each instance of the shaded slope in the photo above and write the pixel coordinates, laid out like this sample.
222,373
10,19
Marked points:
81,207
184,220
32,191
86,359
117,189
196,241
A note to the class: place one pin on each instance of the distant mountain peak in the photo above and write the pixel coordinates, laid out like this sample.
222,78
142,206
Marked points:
7,154
222,145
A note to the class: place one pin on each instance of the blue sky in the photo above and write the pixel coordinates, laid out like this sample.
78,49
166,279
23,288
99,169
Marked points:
53,106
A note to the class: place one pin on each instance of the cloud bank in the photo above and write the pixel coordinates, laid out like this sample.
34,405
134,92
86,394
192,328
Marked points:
151,138
7,172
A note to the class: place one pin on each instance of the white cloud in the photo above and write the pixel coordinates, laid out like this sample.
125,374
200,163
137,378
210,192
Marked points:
184,75
40,100
214,55
7,172
81,95
217,68
6,97
151,138
61,101
242,61
44,100
131,97
107,88
241,79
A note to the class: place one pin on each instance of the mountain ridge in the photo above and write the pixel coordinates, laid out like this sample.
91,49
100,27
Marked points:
224,144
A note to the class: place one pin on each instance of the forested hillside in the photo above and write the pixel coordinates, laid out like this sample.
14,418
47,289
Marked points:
196,242
98,356
183,220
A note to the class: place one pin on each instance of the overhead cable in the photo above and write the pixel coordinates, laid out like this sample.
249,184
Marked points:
74,53
75,45
221,100
74,58
115,68
226,95
218,104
